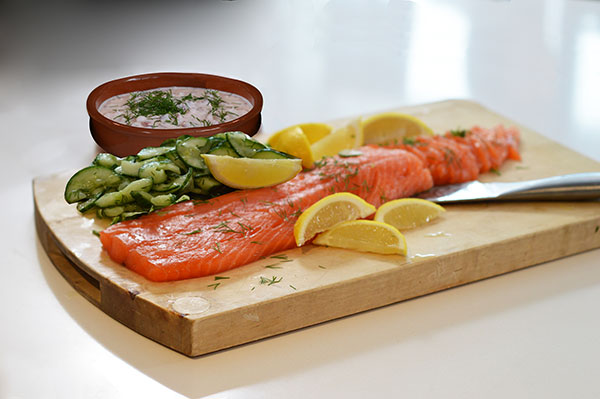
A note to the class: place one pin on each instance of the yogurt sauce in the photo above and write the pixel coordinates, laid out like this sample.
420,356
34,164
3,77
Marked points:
175,107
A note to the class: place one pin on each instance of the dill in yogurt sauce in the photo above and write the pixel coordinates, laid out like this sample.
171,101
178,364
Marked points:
175,107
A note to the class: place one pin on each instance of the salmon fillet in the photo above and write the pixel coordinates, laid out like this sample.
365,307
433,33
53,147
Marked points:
201,238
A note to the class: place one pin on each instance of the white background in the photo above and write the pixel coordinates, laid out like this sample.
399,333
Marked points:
529,334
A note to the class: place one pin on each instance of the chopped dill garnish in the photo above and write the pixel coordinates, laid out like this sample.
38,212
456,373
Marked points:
282,256
191,232
292,287
155,103
96,233
273,266
203,122
408,141
217,248
223,227
459,132
296,213
282,214
257,242
214,285
245,227
322,162
221,278
271,281
365,185
495,171
322,267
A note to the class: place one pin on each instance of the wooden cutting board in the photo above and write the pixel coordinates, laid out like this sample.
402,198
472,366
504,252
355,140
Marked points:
315,284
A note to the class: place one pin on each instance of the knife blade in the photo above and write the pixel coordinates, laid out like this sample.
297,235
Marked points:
572,187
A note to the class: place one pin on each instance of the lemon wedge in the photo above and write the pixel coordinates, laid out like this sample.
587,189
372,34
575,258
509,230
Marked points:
364,236
244,173
392,128
328,212
293,141
315,131
342,138
407,213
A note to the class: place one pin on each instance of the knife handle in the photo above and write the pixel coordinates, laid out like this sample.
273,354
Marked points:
578,186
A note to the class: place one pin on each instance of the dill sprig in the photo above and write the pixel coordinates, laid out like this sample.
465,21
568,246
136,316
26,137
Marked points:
191,232
459,132
271,281
155,103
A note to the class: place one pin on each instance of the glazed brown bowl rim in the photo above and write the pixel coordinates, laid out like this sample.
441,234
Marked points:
92,104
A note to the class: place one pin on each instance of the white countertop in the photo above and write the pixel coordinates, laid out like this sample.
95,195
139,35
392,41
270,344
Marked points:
529,334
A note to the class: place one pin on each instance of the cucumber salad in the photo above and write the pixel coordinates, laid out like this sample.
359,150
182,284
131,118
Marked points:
156,177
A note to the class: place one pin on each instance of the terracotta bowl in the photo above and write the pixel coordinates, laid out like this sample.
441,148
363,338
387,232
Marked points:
121,140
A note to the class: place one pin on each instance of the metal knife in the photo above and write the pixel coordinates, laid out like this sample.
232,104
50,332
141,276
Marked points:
578,186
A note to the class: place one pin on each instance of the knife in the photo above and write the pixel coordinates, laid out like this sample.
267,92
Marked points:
578,186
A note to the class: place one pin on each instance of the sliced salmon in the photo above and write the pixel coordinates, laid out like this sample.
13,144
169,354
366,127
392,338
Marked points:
453,158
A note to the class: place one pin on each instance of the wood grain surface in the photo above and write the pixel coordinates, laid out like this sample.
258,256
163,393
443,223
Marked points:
468,243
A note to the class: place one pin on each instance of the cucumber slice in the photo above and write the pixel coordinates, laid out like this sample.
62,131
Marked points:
130,168
153,171
108,200
224,149
157,170
142,198
107,160
205,183
132,215
169,143
218,138
271,154
124,183
179,184
182,198
86,205
160,201
89,181
174,157
244,145
151,152
189,150
144,184
113,211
